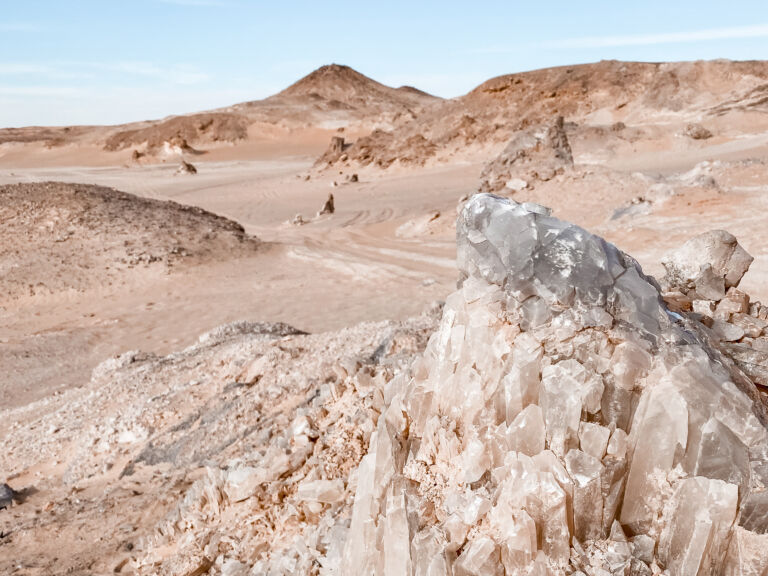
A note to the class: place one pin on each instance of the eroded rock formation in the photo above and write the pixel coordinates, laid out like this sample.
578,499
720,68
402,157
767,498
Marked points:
535,154
561,421
186,168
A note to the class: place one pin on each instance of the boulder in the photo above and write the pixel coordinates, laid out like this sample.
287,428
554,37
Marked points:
328,207
186,168
707,264
697,132
539,153
7,496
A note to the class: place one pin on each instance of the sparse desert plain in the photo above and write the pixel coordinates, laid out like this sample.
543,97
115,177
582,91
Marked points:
195,354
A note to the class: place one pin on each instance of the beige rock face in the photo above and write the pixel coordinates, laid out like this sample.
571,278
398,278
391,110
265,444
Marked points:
706,261
561,421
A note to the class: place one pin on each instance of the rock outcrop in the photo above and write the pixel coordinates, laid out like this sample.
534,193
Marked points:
702,281
7,496
334,151
561,421
565,417
328,206
697,132
536,154
707,265
186,168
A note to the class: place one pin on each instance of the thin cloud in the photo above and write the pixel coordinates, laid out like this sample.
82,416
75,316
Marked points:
176,74
759,31
708,35
21,68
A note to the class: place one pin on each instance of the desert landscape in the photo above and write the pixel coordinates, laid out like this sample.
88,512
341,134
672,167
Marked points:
360,329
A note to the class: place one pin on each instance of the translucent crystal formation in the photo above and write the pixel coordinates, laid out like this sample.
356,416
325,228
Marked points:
561,421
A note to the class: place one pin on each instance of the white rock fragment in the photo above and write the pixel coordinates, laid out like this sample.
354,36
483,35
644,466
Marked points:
323,491
704,259
593,439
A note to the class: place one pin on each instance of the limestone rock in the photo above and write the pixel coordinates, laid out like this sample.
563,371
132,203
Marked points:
536,154
328,207
560,408
697,132
186,168
707,264
333,152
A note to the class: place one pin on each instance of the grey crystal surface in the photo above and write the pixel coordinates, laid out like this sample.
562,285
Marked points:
562,421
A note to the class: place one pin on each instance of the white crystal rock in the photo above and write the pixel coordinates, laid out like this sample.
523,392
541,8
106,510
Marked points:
242,482
717,250
324,491
562,421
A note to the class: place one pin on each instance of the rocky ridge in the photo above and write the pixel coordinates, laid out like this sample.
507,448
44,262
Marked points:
59,236
533,154
608,94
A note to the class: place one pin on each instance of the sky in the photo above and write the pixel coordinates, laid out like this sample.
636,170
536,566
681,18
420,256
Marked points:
65,62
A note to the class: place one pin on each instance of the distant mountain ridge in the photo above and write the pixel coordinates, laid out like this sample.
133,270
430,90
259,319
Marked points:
601,93
337,96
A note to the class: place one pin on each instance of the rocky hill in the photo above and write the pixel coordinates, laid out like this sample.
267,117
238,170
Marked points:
604,93
350,88
57,237
413,127
331,97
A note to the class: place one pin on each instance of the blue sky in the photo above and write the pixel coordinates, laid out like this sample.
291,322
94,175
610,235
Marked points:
108,61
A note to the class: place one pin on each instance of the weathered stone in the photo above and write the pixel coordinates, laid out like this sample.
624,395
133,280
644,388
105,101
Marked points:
697,132
531,155
7,495
334,151
704,307
186,168
752,327
715,254
727,331
328,207
734,302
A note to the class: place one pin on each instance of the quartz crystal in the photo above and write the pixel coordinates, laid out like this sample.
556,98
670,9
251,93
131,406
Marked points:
564,421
